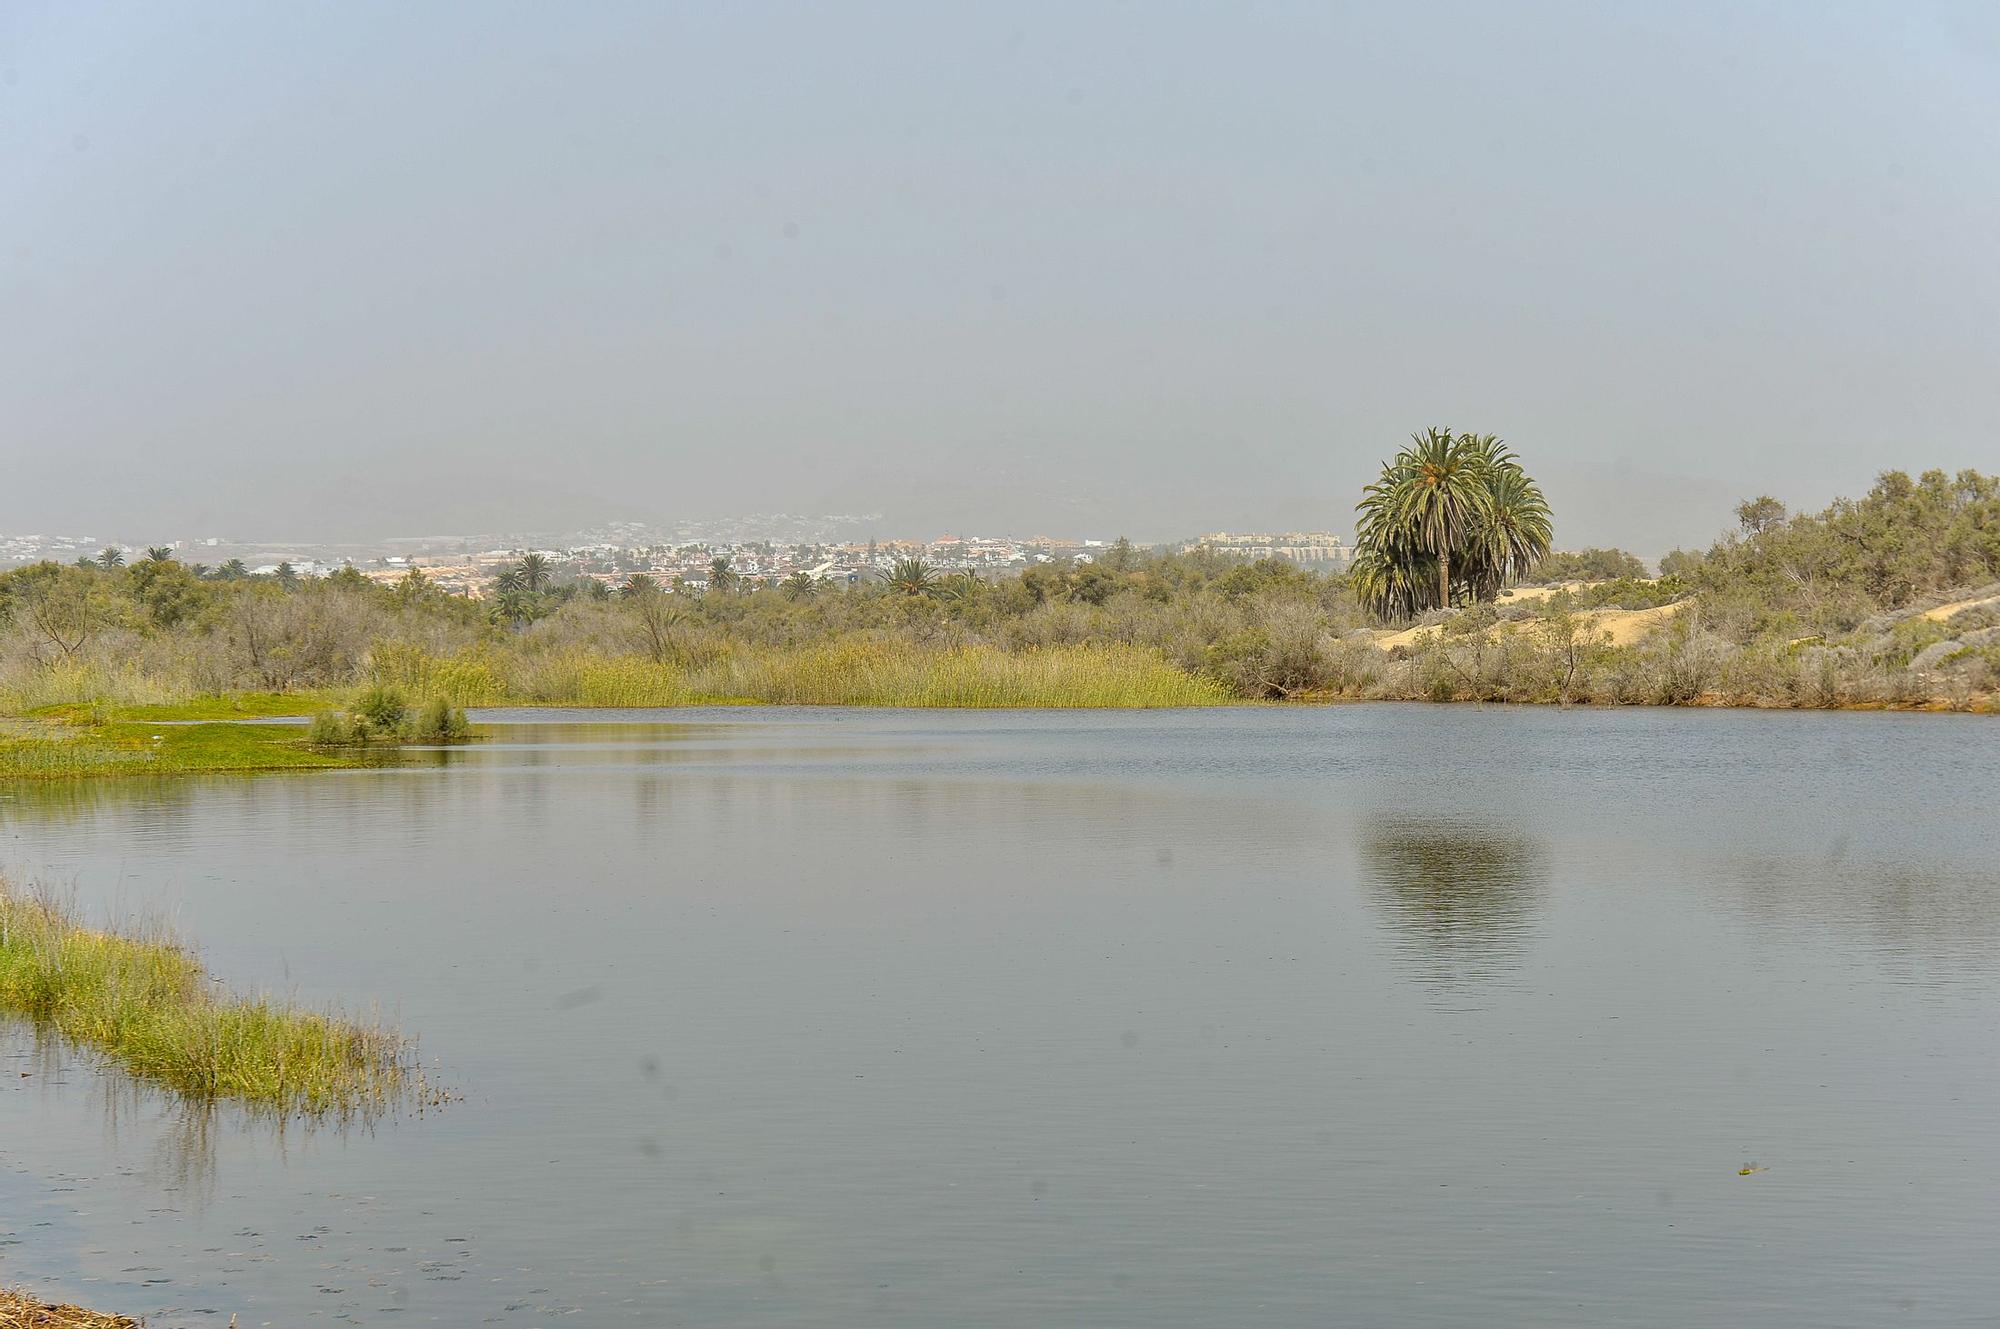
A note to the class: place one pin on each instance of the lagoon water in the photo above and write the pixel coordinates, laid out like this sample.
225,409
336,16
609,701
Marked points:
1368,1015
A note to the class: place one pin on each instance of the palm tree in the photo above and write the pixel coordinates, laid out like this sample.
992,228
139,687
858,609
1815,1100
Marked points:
111,557
1390,586
639,583
1440,497
233,570
509,582
534,574
159,554
513,606
1452,513
962,587
1516,531
288,576
721,577
800,586
912,576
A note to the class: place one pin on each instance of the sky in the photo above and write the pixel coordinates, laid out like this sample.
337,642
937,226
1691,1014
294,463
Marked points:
350,270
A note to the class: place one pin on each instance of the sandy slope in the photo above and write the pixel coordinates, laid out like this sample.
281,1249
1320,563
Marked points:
1621,626
1956,607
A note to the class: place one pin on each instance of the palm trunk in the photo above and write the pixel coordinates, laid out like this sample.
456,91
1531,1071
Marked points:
1444,579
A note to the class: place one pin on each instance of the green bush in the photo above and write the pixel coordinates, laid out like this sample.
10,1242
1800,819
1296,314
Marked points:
331,729
436,721
384,708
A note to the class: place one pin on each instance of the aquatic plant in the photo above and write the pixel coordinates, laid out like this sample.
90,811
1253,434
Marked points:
874,673
143,1001
51,751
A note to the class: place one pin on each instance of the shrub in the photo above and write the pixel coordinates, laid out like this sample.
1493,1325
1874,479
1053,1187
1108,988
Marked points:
437,721
330,729
384,708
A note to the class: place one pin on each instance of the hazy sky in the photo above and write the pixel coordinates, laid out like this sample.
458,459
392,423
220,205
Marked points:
357,269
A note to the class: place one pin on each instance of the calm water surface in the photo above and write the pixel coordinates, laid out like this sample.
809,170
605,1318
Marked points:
1368,1016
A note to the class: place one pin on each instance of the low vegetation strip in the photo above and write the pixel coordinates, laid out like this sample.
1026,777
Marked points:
18,1310
58,751
850,670
147,1004
1891,599
862,673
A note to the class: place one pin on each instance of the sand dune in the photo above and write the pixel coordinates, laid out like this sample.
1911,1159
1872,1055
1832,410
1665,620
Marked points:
1621,626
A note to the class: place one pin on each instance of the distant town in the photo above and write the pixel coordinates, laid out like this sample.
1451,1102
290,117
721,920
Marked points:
680,556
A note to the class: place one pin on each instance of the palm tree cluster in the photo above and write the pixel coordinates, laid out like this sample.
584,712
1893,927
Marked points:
1452,520
518,590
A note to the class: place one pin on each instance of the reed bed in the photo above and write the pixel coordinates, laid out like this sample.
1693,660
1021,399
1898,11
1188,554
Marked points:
466,679
145,1002
857,670
865,673
88,683
577,678
18,1310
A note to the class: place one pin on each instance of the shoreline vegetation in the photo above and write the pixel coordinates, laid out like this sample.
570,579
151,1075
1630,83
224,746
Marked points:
1888,601
143,1001
20,1310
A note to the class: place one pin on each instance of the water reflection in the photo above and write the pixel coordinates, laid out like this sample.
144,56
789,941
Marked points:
1462,895
991,982
170,1141
1928,923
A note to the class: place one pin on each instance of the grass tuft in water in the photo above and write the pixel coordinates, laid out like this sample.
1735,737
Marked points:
145,1002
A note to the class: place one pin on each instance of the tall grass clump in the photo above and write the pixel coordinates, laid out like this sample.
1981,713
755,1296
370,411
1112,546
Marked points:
89,684
466,679
881,673
578,678
145,1003
331,729
382,713
436,721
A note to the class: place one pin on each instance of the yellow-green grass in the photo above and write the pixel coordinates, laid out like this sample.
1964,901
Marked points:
72,751
86,683
145,1002
579,679
853,671
862,673
214,706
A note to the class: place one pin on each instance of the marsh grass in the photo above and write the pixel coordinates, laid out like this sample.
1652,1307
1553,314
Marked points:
143,1001
866,673
856,670
382,714
88,684
73,751
212,706
578,678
